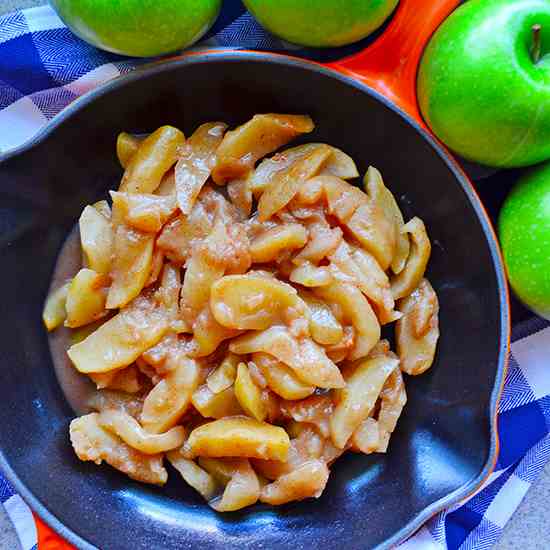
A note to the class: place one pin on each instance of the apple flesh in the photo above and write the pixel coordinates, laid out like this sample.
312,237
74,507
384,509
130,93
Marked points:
138,28
483,88
524,231
321,23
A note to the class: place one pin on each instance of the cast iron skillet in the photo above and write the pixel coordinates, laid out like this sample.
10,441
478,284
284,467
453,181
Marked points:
445,443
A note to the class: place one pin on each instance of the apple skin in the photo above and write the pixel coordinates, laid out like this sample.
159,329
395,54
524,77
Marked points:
139,28
524,231
321,23
478,88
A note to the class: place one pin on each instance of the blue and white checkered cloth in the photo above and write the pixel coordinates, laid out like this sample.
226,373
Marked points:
43,67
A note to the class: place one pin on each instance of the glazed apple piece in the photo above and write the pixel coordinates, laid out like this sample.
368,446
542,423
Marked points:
106,399
310,275
126,147
156,154
126,379
252,302
338,164
54,312
323,325
376,233
239,436
263,134
224,375
92,442
242,487
374,186
196,160
411,275
306,358
308,480
144,211
241,196
417,332
361,268
316,410
86,298
194,475
355,402
168,295
267,246
169,400
249,395
366,437
96,238
355,310
281,378
323,241
216,405
122,339
131,265
284,187
208,334
129,430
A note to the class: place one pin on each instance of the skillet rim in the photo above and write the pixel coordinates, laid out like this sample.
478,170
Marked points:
197,57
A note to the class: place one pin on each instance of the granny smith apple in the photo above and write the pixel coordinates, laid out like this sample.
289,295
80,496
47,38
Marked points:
524,231
484,82
321,23
139,28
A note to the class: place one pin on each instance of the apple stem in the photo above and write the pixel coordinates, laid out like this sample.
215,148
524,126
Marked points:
536,43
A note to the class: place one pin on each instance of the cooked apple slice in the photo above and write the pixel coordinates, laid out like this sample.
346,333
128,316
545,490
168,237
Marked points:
131,266
96,237
252,302
338,164
267,246
280,378
156,154
417,332
308,480
243,489
130,431
282,189
356,310
126,147
197,158
306,358
310,275
374,186
411,275
355,402
323,325
54,312
92,442
86,298
263,134
169,400
239,436
144,211
193,474
249,394
121,340
216,405
224,375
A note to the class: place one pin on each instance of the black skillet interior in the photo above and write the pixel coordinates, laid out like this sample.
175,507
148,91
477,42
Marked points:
443,444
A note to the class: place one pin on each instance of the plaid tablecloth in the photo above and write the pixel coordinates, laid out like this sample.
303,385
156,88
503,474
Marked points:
43,67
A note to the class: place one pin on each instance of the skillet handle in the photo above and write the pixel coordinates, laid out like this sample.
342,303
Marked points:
390,64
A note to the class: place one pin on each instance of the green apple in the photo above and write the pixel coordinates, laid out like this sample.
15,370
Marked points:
140,28
321,23
524,231
484,82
